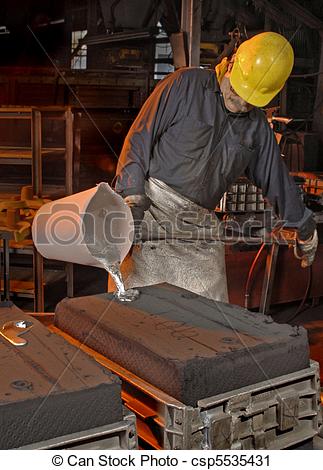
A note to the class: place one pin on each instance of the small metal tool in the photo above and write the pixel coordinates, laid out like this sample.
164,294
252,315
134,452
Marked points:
12,331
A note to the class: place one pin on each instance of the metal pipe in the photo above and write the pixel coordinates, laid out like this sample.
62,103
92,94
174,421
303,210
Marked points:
36,145
269,277
6,267
69,123
38,268
191,26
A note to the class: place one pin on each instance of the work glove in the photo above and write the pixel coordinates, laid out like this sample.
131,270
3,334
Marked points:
305,250
138,203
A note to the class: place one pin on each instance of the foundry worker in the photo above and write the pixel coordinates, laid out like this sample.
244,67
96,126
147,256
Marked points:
195,135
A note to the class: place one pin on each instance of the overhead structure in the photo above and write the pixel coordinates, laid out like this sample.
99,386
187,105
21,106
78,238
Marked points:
191,26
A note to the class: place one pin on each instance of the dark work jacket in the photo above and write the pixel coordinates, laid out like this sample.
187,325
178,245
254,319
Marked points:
186,137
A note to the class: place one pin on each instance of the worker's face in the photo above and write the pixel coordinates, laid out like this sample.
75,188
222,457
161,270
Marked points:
232,101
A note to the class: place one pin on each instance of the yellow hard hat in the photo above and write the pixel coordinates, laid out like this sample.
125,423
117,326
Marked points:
261,67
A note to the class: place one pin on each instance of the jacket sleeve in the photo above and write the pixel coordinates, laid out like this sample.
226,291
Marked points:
162,108
269,172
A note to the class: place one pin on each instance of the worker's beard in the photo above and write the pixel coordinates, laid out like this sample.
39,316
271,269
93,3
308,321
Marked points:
232,101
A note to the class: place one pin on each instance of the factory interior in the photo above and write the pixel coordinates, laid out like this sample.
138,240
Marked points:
123,117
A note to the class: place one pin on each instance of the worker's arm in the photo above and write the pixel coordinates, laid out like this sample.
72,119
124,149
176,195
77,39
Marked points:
269,172
161,110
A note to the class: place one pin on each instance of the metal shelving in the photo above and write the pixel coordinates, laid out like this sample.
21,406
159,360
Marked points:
33,156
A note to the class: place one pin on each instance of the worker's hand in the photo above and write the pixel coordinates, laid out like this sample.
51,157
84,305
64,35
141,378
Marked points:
306,249
138,204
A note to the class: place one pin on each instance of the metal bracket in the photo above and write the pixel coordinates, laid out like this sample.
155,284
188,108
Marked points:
12,330
288,411
221,433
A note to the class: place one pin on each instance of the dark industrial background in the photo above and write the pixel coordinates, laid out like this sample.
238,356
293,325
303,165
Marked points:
98,60
73,77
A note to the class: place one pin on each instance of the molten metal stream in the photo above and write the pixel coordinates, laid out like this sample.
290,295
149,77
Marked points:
121,294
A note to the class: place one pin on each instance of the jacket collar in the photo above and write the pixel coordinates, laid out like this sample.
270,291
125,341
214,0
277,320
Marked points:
214,86
212,83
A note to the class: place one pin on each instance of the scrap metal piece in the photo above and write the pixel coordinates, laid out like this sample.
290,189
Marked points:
12,331
16,215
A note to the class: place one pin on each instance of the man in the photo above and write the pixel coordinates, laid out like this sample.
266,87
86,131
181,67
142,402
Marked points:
195,135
